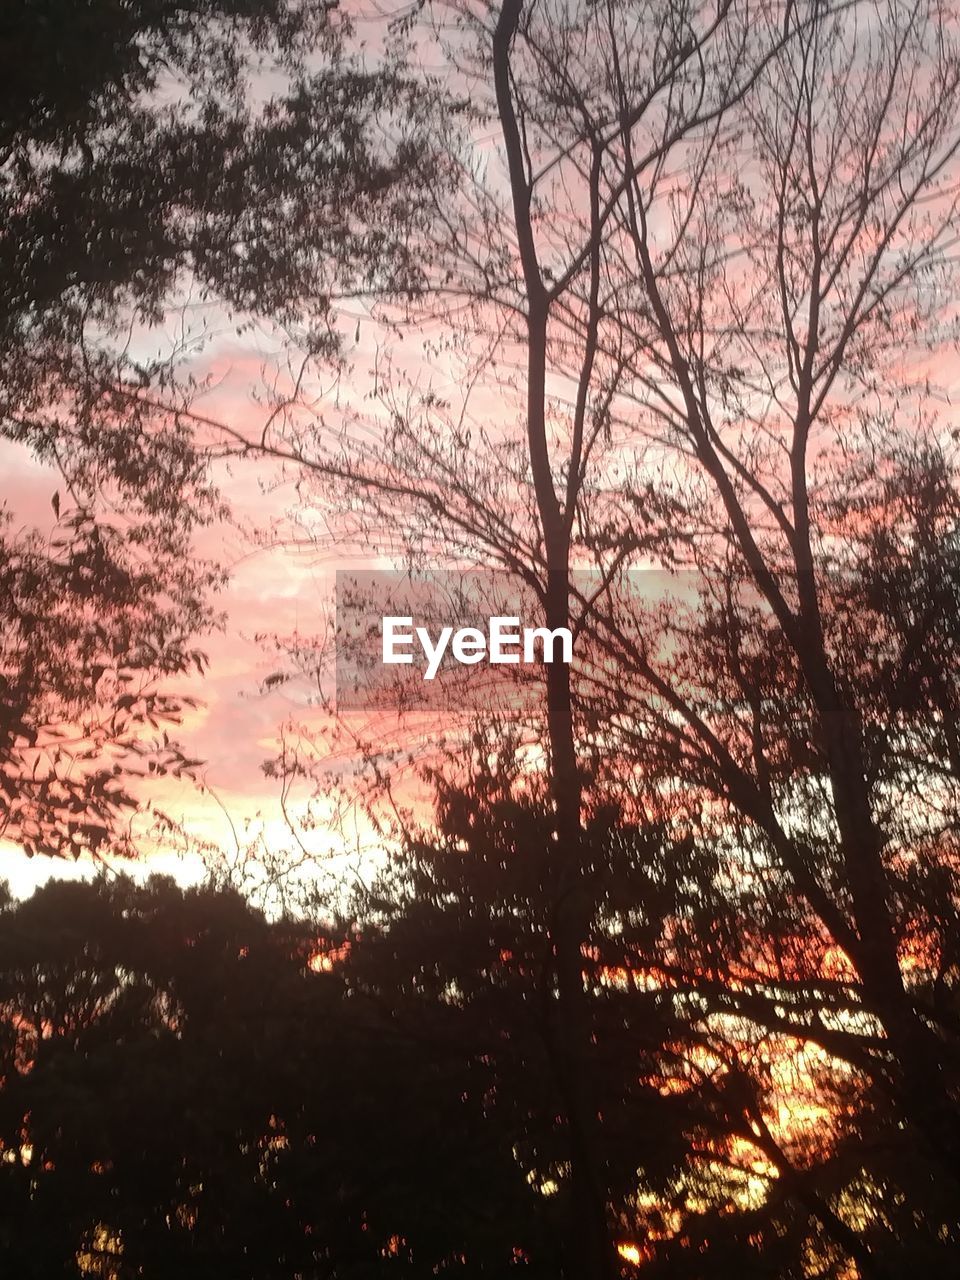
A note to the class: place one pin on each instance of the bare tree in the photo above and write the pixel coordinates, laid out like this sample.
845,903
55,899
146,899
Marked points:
688,293
793,340
532,276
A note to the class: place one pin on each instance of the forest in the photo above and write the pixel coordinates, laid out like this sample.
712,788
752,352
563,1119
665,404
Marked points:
641,965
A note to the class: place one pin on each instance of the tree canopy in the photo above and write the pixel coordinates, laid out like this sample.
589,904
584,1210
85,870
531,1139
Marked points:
153,156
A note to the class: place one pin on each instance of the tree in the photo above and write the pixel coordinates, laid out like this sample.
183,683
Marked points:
689,283
522,276
456,938
190,1090
785,410
782,702
137,172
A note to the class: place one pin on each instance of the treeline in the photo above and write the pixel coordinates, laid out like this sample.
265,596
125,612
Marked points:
186,1092
190,1088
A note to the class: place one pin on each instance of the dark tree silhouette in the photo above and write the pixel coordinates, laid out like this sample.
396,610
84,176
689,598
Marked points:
90,633
706,286
187,1093
693,1026
141,167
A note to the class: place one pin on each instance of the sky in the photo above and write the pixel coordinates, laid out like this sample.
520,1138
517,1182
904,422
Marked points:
274,589
271,589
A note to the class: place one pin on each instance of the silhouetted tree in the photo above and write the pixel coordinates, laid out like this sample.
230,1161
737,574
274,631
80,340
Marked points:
703,275
703,1049
704,286
522,277
151,155
800,697
188,1092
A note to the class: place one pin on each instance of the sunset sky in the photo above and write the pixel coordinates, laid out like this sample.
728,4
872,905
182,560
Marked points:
271,589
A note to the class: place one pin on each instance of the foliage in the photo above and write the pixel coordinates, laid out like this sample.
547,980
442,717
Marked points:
147,162
683,978
185,1093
